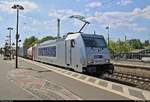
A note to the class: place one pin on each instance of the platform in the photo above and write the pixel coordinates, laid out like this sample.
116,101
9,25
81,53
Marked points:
79,86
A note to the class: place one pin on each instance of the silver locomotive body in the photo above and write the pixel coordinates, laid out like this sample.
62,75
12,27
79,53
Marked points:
79,52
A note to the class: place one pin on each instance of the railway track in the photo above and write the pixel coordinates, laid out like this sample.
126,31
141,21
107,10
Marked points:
130,79
132,74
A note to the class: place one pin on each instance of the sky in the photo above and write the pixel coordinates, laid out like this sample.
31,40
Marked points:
130,18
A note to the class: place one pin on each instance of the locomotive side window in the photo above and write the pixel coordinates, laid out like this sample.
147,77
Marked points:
47,51
72,43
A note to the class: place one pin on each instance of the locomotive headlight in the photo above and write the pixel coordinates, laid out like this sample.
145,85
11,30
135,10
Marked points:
107,60
90,61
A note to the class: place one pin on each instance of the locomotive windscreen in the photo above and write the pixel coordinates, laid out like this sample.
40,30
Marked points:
94,42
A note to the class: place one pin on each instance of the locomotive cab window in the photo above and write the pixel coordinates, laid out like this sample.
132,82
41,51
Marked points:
72,43
94,42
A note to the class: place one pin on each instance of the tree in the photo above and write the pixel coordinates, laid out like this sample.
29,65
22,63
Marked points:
146,43
119,47
1,50
136,44
113,46
47,38
30,41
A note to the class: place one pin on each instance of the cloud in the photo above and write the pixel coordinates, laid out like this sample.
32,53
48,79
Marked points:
63,13
146,12
139,29
93,4
124,2
35,25
117,18
5,6
48,25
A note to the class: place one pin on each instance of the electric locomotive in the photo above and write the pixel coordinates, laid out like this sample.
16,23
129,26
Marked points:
85,53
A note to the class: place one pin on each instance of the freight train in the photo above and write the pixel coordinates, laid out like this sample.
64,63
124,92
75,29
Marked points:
85,53
22,52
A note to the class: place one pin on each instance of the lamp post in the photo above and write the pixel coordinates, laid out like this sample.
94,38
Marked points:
18,7
108,34
9,28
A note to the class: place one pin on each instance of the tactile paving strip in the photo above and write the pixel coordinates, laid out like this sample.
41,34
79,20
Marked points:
40,87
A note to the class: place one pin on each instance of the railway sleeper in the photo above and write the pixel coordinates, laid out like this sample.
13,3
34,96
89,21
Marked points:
145,85
138,81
